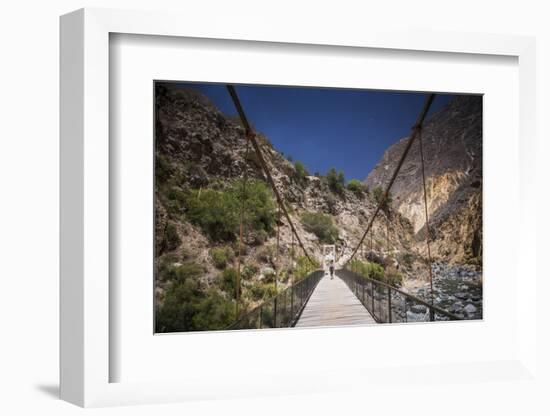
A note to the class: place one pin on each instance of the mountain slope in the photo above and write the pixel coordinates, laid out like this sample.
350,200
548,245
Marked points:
452,145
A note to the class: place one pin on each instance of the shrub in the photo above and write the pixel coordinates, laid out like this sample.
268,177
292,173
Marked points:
181,272
304,267
176,194
259,212
216,212
213,312
357,187
256,291
165,263
284,275
259,237
177,311
171,239
248,271
321,225
378,194
228,281
269,275
173,197
376,272
370,270
300,171
185,308
260,291
220,256
335,181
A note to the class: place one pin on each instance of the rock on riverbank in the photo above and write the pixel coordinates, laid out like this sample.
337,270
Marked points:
457,289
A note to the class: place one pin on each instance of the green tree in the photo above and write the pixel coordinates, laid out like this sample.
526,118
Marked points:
300,171
321,225
213,312
367,269
377,272
259,212
357,187
186,307
221,255
335,181
182,272
179,307
217,212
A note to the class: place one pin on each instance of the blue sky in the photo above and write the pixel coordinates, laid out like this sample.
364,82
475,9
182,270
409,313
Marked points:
343,128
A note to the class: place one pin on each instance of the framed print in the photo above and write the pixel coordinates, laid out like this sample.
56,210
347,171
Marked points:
249,234
227,198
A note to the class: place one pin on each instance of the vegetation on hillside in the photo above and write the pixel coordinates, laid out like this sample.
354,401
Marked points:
301,172
186,307
304,267
321,225
217,211
376,272
357,187
336,181
221,256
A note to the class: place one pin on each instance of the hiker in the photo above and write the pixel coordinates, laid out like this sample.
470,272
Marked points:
331,269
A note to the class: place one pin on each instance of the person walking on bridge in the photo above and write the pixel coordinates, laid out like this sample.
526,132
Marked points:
331,269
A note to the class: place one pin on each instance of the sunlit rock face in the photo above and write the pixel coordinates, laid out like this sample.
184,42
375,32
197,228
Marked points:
452,147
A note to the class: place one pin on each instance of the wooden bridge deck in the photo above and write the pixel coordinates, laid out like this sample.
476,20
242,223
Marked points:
332,303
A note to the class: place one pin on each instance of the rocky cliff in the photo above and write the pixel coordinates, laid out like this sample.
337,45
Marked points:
452,147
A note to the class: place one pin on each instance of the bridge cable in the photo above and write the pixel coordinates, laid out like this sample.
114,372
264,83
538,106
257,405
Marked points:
250,133
415,130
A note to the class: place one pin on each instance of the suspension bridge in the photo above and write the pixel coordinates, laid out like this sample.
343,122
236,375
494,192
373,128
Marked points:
344,297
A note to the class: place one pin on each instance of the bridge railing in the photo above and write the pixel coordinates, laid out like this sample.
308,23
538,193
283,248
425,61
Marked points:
282,310
388,304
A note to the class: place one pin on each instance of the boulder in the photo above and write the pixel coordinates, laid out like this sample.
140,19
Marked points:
470,308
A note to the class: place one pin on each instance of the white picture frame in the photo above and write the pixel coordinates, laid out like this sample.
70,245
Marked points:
85,218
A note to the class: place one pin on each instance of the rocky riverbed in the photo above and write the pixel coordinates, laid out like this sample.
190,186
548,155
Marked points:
457,289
